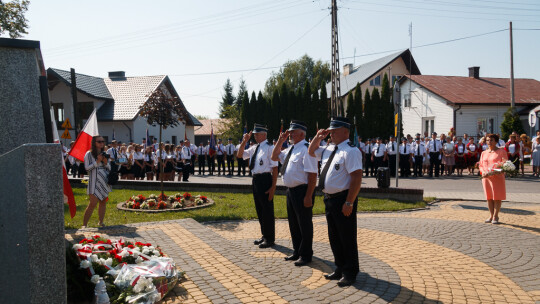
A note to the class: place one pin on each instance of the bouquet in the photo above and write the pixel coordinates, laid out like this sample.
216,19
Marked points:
506,167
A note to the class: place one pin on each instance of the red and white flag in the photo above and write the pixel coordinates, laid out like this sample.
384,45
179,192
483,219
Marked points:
84,140
69,198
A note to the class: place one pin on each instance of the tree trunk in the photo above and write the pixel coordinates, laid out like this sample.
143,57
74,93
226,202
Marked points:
160,160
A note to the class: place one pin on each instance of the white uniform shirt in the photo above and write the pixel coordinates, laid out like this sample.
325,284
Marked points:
149,158
138,155
511,148
230,149
405,149
380,148
346,160
186,153
391,148
361,145
434,146
193,149
220,148
262,162
111,154
501,143
419,149
300,164
367,148
207,150
201,150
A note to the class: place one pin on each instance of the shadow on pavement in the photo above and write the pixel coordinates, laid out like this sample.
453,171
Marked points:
503,210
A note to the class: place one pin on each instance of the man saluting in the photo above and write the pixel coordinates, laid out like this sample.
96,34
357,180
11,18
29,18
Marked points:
264,181
340,180
299,173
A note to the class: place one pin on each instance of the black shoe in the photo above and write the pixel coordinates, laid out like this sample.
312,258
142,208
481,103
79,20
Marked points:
301,262
258,241
333,276
345,282
293,257
266,244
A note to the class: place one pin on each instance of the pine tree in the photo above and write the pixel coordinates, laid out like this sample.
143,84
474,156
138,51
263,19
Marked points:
227,99
245,112
305,111
359,111
242,88
324,109
368,116
386,109
511,123
314,114
273,116
377,113
262,110
351,107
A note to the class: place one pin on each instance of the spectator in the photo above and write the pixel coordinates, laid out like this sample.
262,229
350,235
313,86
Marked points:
535,157
494,184
97,164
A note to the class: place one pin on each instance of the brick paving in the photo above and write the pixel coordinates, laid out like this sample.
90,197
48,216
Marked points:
444,254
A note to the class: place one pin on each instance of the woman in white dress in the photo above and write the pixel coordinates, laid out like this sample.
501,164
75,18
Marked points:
98,190
535,157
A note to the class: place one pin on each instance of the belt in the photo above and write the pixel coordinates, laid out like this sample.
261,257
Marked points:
338,194
262,174
297,187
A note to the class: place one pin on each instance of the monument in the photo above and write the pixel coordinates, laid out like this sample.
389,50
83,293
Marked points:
32,254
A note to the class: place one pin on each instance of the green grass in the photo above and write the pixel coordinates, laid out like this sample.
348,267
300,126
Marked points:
228,206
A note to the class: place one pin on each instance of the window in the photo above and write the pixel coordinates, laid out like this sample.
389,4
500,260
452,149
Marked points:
394,79
58,109
407,100
485,126
84,109
375,81
429,125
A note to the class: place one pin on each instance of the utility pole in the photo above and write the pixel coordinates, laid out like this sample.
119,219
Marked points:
74,99
336,106
512,96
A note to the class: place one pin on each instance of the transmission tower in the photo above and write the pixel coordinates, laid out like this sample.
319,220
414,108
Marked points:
336,105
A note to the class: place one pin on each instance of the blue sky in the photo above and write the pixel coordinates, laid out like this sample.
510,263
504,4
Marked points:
194,41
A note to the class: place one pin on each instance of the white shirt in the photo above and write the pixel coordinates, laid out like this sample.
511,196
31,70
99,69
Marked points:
405,149
501,143
375,148
207,150
186,153
391,148
230,149
111,153
419,148
460,148
262,162
201,150
511,148
346,161
220,148
300,164
472,147
434,146
193,149
367,148
361,145
149,158
138,155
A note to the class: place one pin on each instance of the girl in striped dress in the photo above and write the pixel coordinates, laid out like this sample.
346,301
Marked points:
98,190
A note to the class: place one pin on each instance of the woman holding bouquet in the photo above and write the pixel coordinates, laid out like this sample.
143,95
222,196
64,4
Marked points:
493,181
98,168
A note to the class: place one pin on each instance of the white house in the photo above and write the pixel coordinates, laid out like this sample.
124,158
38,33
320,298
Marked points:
474,105
118,99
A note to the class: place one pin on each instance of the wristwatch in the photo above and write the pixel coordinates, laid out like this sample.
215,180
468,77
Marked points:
348,204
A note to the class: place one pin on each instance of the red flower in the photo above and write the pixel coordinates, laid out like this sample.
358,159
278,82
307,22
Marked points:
131,246
204,198
139,244
96,236
147,244
101,248
113,252
118,258
187,195
101,242
83,241
137,206
162,197
162,205
141,197
109,242
151,204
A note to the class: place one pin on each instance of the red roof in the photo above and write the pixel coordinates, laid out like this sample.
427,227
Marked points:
219,126
469,90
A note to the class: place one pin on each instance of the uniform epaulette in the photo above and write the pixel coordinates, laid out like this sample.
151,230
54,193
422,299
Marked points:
351,144
307,144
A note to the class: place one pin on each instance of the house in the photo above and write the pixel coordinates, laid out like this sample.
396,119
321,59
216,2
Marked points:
203,132
370,75
118,99
474,105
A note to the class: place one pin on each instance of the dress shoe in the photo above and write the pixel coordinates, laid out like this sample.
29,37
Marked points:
333,276
258,241
293,257
301,262
345,282
266,244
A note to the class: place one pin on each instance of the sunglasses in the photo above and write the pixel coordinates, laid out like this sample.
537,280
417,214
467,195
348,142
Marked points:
100,141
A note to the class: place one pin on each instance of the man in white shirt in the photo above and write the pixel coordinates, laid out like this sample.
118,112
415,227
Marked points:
229,151
405,155
240,160
501,143
299,174
366,156
265,174
113,151
210,159
201,155
193,150
419,152
186,159
378,154
220,155
392,149
435,152
340,181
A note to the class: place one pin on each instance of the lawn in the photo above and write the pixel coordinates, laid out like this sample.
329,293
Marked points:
228,206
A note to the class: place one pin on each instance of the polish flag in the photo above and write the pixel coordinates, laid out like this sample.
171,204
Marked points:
84,140
69,198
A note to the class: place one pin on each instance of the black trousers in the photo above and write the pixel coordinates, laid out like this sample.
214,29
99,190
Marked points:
193,157
342,233
264,207
211,164
230,164
418,162
241,166
220,163
300,222
378,162
201,164
368,165
404,165
392,164
434,163
186,170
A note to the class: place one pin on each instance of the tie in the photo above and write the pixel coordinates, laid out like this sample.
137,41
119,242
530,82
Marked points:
253,158
405,149
325,169
418,151
230,150
114,152
286,161
392,145
378,148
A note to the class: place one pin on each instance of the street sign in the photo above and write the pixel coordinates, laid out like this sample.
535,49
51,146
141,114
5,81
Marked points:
66,134
66,124
532,119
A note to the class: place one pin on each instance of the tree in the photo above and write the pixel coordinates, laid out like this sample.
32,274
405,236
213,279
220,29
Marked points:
305,111
369,112
386,109
227,99
376,113
296,73
511,123
324,109
232,124
164,110
359,111
242,88
12,18
313,111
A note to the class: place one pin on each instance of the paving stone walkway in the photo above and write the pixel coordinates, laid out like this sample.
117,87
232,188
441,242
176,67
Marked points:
445,254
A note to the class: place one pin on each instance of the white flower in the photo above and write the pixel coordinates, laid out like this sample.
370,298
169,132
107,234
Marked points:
95,279
151,248
137,289
85,264
156,253
124,253
77,246
108,262
139,260
146,251
137,249
135,254
94,258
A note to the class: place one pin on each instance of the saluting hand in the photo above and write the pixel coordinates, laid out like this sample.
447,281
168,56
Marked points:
322,134
247,136
283,136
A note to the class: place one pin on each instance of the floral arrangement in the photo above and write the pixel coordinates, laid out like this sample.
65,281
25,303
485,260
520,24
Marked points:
161,202
127,272
506,167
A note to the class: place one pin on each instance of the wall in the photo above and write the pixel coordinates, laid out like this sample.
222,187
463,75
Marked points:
424,104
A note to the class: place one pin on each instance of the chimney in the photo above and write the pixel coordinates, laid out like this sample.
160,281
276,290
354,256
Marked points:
117,74
474,72
347,69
